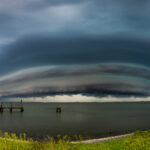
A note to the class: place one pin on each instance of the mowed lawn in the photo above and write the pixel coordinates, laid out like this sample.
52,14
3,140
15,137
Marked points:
139,141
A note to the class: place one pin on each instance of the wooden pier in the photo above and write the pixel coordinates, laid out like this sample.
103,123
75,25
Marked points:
11,107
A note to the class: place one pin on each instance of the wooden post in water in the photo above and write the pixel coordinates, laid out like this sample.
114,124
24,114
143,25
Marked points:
58,109
10,109
21,106
1,108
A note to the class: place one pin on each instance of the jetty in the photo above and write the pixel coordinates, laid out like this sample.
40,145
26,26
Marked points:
11,107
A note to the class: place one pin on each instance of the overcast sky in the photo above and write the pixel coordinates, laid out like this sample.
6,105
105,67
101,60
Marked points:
95,48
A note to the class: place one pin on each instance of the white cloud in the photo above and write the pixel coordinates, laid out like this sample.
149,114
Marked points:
81,98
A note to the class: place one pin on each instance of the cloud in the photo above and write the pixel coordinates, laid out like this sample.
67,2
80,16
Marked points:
105,17
50,47
100,80
43,50
80,99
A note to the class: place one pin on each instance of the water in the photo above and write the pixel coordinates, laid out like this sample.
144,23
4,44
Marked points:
40,120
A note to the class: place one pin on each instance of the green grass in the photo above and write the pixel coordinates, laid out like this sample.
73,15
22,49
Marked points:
139,141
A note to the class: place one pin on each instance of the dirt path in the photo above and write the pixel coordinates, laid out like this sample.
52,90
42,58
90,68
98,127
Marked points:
101,140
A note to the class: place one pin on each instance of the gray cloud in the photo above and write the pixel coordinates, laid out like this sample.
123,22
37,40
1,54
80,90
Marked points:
36,5
73,37
100,80
105,17
42,50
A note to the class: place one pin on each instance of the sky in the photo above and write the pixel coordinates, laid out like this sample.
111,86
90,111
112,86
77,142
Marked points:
75,50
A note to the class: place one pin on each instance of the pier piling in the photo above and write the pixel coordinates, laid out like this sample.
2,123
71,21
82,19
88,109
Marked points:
1,108
10,108
58,109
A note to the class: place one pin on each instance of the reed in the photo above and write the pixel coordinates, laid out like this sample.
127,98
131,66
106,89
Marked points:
139,141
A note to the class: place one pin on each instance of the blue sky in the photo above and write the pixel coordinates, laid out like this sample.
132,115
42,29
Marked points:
94,48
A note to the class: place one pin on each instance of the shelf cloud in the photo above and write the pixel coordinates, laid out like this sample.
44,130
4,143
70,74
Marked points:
91,48
120,80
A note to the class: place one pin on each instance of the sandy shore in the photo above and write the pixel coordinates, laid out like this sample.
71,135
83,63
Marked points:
100,140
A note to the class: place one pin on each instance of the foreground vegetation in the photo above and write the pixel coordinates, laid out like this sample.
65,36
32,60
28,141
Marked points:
139,141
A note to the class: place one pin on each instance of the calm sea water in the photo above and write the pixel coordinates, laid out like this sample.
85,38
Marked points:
40,120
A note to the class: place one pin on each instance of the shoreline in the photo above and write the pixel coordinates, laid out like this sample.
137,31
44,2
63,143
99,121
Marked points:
90,141
77,137
137,140
101,140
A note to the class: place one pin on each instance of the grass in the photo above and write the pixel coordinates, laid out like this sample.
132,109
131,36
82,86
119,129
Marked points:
139,141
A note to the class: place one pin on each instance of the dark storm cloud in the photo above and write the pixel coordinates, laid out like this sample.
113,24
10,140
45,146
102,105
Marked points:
67,34
101,80
88,90
76,71
38,51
